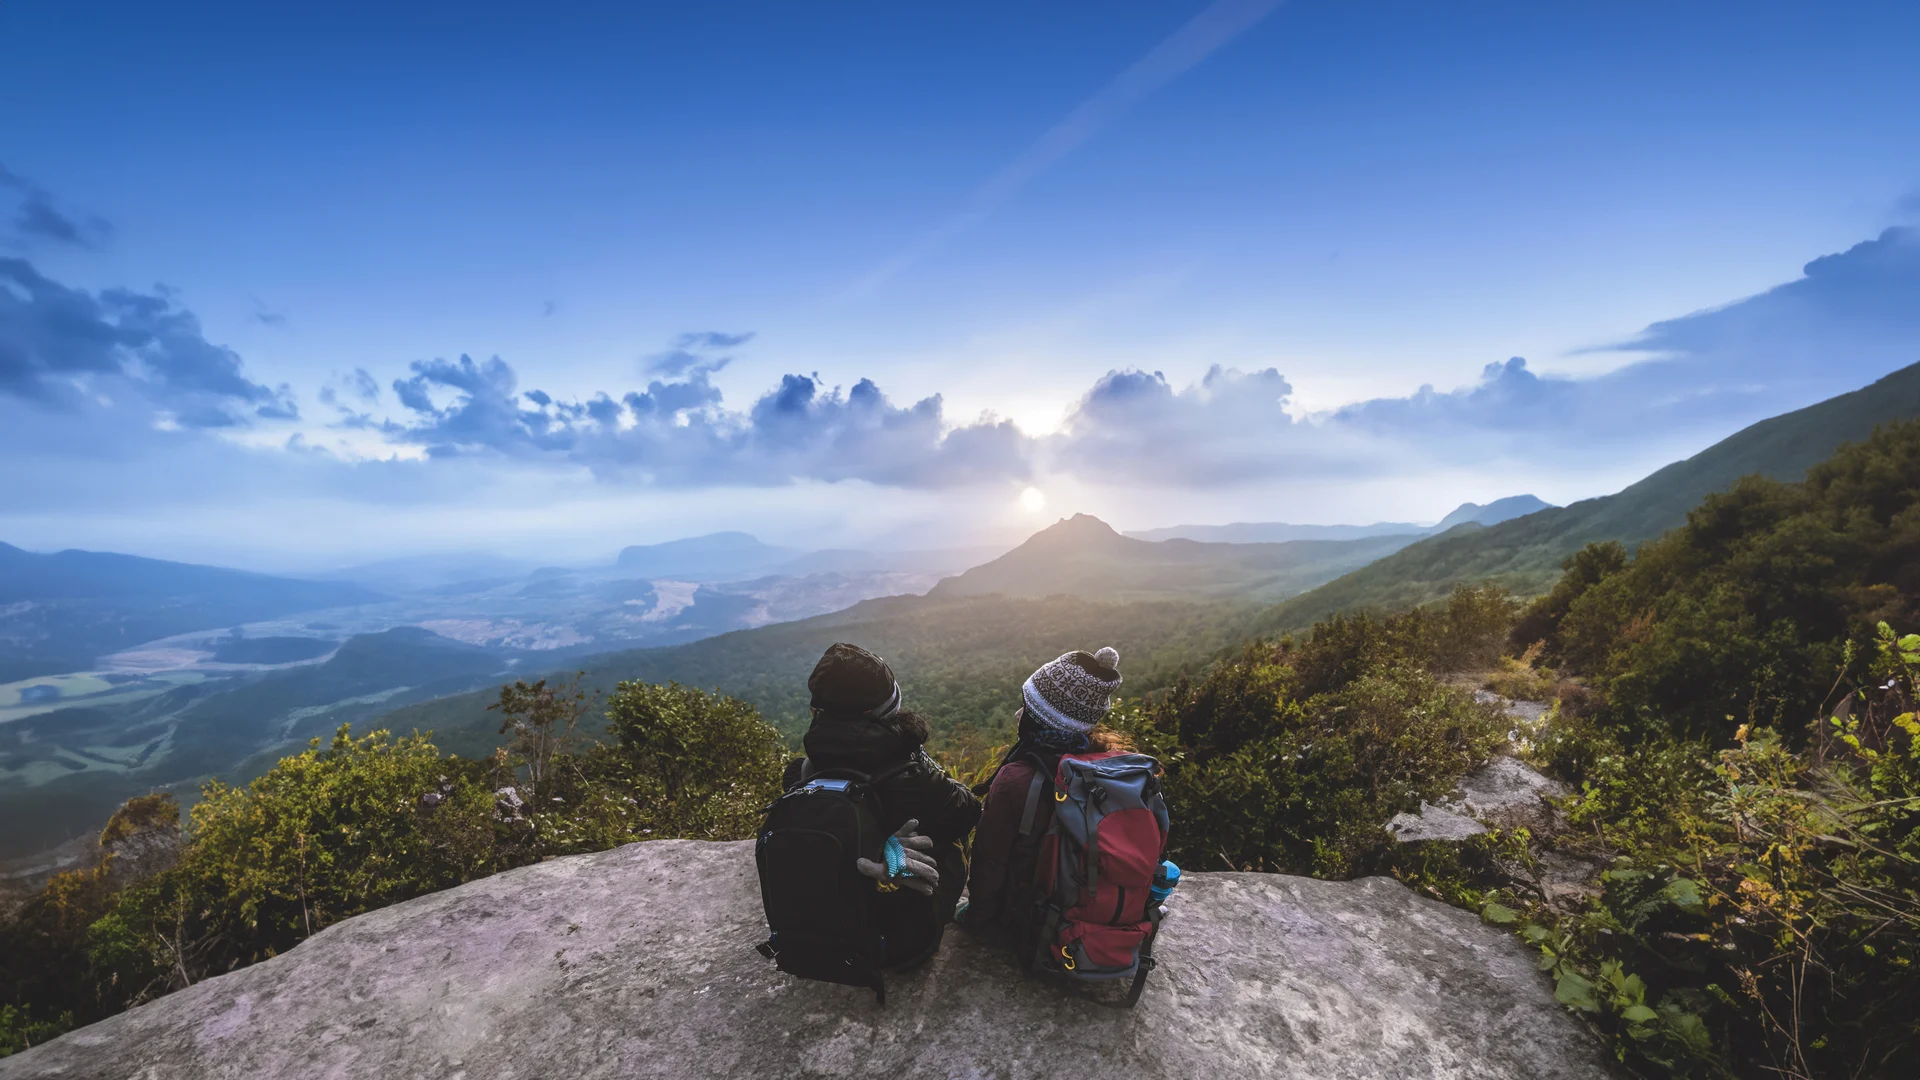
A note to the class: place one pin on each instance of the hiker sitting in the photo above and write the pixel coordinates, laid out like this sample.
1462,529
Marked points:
858,724
1063,705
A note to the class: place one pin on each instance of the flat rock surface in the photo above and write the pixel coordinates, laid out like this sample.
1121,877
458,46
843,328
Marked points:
639,962
1506,792
1503,793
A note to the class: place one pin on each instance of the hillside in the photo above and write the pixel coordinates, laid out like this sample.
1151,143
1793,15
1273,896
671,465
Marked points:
639,962
60,611
1524,554
960,661
1083,556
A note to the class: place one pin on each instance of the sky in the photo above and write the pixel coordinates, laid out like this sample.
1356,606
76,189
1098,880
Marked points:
297,286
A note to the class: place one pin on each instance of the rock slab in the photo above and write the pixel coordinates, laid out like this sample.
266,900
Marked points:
639,962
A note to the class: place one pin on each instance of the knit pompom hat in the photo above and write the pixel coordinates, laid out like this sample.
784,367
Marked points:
1073,693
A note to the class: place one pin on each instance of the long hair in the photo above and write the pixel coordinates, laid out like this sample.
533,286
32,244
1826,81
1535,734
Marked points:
1102,739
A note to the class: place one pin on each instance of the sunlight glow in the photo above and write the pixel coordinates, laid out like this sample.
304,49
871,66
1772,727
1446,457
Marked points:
1033,500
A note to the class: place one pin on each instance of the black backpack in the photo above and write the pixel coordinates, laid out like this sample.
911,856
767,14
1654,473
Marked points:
819,907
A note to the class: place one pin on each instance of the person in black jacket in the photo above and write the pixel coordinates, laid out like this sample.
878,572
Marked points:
858,723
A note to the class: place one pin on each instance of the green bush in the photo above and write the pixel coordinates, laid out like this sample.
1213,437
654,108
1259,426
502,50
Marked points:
1762,911
1293,757
364,822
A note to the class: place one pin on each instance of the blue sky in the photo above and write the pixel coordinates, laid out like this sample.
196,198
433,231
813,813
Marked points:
1196,261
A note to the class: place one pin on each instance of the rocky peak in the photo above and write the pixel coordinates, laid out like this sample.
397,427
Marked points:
639,962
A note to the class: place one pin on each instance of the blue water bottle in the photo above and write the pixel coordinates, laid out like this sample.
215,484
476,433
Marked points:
1164,881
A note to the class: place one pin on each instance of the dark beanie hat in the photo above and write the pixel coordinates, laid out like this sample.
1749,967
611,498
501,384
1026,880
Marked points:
849,679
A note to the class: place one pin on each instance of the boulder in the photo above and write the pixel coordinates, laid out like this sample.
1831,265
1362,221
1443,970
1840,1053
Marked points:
1502,794
639,962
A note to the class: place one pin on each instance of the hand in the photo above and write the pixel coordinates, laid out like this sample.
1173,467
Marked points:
918,870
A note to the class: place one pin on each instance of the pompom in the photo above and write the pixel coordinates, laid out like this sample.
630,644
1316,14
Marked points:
1109,656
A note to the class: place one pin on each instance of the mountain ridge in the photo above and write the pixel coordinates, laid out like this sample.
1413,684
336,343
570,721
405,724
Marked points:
62,610
1524,554
1275,532
1084,556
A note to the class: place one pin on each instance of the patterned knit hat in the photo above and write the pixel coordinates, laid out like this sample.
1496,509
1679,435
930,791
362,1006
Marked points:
1074,692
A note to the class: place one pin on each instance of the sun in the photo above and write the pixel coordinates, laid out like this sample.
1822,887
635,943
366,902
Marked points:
1033,500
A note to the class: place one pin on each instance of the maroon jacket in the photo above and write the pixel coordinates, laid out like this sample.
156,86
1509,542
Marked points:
1000,891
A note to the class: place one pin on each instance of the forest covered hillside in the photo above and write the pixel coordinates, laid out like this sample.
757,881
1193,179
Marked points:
960,661
1524,554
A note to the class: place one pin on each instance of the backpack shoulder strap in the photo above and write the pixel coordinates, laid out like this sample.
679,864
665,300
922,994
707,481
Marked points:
1036,790
892,770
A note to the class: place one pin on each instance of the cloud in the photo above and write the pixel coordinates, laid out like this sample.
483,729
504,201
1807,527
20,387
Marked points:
84,376
59,343
677,432
1851,318
36,218
1853,314
266,316
703,350
361,385
1231,427
1508,397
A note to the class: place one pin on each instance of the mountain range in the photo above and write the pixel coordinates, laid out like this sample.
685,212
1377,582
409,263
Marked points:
61,611
1084,556
72,744
1273,532
1524,554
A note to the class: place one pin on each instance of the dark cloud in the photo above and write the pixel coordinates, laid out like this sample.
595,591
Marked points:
36,218
54,339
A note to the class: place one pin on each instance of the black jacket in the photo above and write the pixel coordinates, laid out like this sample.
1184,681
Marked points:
946,809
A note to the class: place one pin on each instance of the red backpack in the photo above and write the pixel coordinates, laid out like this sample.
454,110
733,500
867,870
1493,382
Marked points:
1090,836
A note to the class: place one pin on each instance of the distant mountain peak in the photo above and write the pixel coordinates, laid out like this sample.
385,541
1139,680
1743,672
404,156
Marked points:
1493,513
1078,531
1081,524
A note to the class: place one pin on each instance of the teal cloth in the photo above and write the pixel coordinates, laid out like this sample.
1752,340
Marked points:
896,859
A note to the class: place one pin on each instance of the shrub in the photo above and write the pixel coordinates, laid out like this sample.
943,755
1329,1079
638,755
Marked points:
696,764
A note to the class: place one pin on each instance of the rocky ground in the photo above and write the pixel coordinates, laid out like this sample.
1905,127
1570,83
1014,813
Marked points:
638,962
1507,794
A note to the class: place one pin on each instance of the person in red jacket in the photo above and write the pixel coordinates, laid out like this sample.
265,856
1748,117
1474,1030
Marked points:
1062,707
